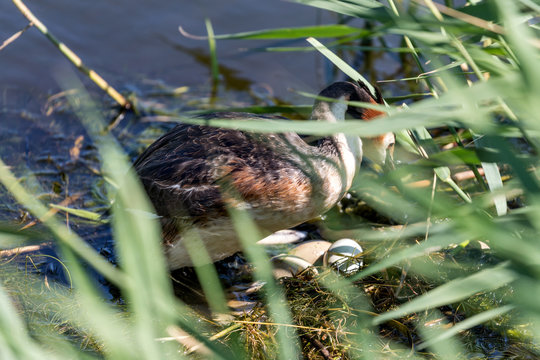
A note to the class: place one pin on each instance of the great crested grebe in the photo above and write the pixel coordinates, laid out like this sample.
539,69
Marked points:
193,173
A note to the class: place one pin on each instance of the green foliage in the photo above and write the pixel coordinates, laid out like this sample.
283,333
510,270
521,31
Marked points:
479,64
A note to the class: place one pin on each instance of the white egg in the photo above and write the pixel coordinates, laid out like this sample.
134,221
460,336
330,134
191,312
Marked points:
345,256
299,258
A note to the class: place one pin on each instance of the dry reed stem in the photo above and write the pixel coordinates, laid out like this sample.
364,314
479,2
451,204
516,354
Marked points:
15,36
473,20
460,176
68,200
23,249
68,53
188,341
265,323
191,36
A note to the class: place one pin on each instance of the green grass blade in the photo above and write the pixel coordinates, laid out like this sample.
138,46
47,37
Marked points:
531,4
361,9
435,243
213,54
249,234
493,178
138,243
58,229
302,109
84,214
363,334
341,65
467,324
206,272
147,288
442,172
322,31
15,343
106,324
448,350
454,291
520,37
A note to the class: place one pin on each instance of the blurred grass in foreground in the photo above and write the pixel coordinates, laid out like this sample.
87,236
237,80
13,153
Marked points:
444,265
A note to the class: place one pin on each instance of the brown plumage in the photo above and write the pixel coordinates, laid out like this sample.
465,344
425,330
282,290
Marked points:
193,173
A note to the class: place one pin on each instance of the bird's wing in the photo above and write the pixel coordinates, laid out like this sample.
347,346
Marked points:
197,171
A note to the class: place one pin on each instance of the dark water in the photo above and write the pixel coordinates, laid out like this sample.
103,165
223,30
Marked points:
128,41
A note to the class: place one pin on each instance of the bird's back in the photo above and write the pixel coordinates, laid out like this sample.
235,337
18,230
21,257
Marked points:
194,172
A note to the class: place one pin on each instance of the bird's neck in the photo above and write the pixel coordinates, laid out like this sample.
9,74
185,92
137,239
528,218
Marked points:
329,111
346,149
334,112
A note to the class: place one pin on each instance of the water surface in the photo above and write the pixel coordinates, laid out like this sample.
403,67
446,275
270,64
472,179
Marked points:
127,41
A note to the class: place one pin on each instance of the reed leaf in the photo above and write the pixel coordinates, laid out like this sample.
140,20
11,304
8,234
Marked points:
455,291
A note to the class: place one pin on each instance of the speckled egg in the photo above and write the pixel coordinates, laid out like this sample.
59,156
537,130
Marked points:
345,255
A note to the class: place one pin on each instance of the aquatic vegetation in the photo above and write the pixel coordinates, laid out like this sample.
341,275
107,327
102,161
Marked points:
450,237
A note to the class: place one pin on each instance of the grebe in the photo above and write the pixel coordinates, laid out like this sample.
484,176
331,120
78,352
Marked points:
193,173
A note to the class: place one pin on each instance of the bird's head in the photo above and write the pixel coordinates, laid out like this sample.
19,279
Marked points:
377,149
